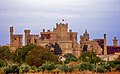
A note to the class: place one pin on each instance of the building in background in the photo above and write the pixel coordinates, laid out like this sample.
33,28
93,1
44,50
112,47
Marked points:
67,40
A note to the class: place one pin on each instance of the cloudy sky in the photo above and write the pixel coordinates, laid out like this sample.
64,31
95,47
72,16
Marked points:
97,16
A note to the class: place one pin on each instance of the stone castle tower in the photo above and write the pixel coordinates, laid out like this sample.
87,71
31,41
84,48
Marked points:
115,42
27,34
15,39
30,39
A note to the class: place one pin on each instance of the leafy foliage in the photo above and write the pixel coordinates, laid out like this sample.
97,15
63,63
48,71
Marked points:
69,55
89,57
2,63
101,69
86,66
66,69
25,68
48,66
70,60
14,68
57,48
38,55
20,53
5,53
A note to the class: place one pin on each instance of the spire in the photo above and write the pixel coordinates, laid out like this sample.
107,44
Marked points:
86,31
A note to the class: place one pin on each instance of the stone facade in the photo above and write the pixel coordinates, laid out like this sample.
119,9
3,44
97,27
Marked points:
89,45
115,42
67,39
15,40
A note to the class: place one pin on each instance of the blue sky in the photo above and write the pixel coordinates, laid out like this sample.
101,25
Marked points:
97,16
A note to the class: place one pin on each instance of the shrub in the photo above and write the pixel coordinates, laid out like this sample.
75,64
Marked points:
2,63
48,66
33,69
69,55
89,57
101,69
66,69
14,68
86,66
25,68
69,60
117,67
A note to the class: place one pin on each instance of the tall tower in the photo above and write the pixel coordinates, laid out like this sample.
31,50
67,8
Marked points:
27,34
115,42
11,35
105,46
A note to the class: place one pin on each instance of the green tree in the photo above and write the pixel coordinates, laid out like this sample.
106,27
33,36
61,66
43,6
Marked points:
20,53
39,55
57,49
2,63
89,57
69,55
5,53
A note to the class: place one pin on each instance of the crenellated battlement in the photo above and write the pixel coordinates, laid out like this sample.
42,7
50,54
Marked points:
61,25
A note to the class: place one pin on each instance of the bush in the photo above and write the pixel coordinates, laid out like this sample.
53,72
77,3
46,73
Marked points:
89,57
48,66
2,63
86,66
70,60
5,53
101,69
33,69
69,55
106,65
66,69
40,55
14,68
25,68
117,67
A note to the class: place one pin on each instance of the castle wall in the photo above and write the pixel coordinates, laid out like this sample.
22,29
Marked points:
15,40
61,31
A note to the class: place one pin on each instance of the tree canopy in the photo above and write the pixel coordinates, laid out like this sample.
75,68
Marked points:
20,53
39,55
5,53
89,57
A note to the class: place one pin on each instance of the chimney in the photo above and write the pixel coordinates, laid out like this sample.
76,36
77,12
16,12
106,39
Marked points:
105,46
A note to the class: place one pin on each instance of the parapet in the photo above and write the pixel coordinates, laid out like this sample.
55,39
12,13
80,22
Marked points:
34,35
27,31
18,35
62,24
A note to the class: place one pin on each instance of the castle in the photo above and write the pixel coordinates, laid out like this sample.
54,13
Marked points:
67,40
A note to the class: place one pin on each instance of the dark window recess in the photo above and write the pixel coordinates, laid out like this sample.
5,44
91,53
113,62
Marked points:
35,41
14,38
29,41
